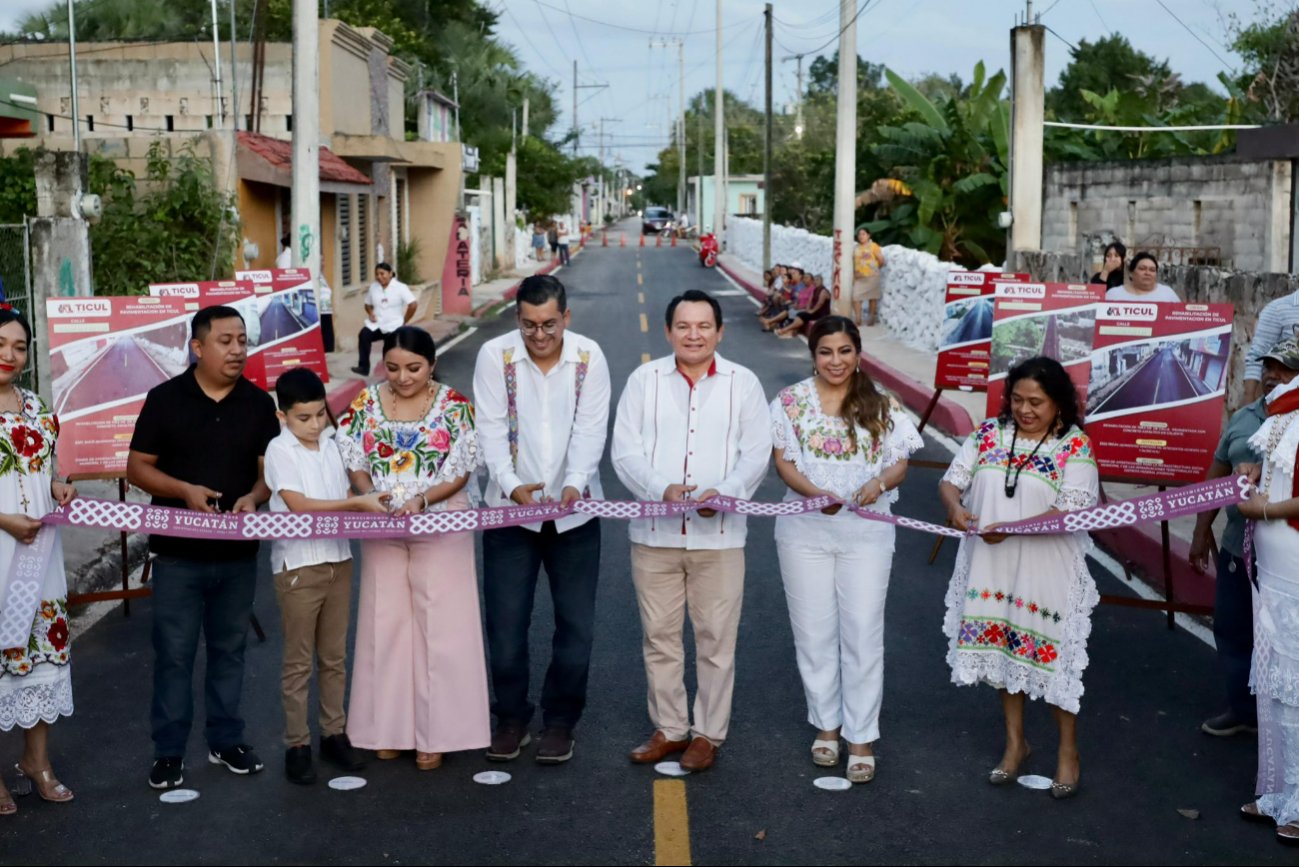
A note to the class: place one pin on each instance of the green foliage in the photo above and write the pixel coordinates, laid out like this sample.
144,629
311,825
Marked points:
1269,49
407,255
1098,66
823,74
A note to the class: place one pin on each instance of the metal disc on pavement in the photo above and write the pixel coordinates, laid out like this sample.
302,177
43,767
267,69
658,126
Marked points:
671,769
492,778
1035,781
347,784
178,796
832,784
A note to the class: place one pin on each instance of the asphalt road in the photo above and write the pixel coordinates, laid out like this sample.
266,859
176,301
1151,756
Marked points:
1143,756
122,370
279,320
1161,379
975,324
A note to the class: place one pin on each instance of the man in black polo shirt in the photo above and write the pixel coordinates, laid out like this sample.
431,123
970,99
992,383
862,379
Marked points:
198,445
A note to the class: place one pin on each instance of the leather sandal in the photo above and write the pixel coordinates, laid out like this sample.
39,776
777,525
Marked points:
1288,834
825,753
1251,813
45,784
8,806
861,769
386,755
428,761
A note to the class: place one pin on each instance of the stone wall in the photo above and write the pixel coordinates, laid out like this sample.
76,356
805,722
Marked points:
1239,205
1247,291
914,282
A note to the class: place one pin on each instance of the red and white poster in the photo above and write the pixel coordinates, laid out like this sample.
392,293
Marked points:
1157,387
280,314
1057,320
105,355
965,343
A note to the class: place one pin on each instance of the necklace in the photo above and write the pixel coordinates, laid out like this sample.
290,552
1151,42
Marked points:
1012,483
428,403
18,400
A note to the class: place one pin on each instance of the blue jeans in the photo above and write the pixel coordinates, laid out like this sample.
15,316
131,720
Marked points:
512,558
189,595
1233,631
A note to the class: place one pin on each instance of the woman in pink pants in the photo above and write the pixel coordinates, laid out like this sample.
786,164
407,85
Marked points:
419,680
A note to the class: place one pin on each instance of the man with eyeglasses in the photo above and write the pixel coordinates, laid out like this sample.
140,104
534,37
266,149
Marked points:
542,397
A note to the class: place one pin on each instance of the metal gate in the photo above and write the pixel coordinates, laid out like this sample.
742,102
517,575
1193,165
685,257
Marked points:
16,282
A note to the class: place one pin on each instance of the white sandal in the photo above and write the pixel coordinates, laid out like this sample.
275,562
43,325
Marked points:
825,753
861,769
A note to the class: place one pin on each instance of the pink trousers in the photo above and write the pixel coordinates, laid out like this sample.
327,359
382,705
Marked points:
419,680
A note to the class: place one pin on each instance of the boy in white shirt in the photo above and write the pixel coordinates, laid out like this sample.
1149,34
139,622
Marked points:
313,577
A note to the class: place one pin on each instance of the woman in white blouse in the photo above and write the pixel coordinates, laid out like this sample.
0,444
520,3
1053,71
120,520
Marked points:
835,433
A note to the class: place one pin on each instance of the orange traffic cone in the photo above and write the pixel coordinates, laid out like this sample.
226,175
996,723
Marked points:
623,240
604,239
674,239
658,240
642,239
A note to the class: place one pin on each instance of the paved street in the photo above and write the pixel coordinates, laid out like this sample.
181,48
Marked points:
1143,756
122,370
1161,378
976,324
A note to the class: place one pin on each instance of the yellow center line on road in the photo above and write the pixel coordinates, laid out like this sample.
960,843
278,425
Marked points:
671,824
644,324
640,279
644,358
640,296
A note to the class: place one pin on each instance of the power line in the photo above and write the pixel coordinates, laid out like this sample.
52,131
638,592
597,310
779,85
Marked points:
1193,33
540,54
1092,3
627,27
1061,38
835,37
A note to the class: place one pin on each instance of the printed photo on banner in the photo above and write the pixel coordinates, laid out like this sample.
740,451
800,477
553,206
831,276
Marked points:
1157,388
966,330
105,355
1057,320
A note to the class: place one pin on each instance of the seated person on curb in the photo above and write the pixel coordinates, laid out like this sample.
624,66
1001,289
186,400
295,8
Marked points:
817,307
797,293
777,298
312,577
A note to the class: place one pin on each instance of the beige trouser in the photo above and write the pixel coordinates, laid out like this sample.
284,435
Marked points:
315,608
710,584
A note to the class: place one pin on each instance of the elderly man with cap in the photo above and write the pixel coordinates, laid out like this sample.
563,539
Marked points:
1233,612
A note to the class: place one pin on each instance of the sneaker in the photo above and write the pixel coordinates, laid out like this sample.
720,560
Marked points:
338,750
508,739
168,772
238,759
297,765
555,746
1224,725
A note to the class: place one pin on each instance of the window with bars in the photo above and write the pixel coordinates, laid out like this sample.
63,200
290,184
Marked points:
401,211
363,237
345,240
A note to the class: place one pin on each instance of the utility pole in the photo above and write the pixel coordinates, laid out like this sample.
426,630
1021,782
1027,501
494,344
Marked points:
1027,101
219,115
577,130
234,72
306,138
766,156
719,126
845,160
798,106
525,117
604,191
679,125
72,71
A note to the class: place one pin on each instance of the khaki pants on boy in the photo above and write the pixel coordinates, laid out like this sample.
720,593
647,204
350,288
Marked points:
315,608
710,584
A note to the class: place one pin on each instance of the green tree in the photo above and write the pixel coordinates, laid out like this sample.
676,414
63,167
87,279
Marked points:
1269,49
823,74
1107,63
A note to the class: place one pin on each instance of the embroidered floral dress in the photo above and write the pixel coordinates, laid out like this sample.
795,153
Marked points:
818,445
35,678
1274,674
1019,612
406,457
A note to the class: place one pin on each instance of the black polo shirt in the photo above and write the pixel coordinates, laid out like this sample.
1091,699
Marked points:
206,442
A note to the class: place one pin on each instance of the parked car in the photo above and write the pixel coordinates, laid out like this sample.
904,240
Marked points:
656,220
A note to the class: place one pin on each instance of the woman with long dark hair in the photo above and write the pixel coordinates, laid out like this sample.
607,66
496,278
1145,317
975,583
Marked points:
1019,607
835,433
1112,266
419,680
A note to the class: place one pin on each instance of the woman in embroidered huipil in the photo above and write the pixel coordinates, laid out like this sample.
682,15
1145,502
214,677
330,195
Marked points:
35,677
419,679
1274,673
834,433
1019,608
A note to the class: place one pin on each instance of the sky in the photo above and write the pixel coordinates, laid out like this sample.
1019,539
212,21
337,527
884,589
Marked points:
611,40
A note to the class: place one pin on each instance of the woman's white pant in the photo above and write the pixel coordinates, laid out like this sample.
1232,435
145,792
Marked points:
836,607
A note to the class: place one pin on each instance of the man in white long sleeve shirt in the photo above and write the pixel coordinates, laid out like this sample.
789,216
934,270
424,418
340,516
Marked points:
542,404
690,426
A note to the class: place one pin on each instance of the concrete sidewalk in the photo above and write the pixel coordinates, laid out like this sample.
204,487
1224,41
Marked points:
909,374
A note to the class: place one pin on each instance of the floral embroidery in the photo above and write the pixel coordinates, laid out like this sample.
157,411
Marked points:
29,444
512,394
994,440
1014,641
825,436
48,641
974,595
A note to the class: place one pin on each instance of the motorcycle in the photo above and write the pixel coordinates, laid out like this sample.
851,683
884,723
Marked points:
708,250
